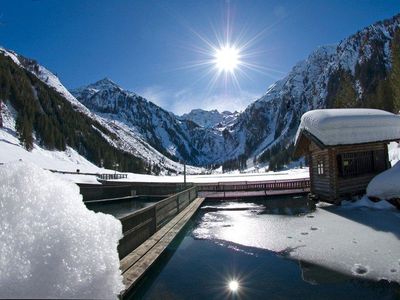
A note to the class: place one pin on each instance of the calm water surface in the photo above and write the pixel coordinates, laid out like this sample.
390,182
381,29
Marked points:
121,208
195,267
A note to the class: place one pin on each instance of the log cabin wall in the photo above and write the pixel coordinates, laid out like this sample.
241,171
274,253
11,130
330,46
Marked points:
327,180
320,170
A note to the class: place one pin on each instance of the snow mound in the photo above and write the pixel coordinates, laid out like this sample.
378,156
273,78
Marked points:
386,184
394,153
350,126
365,202
51,245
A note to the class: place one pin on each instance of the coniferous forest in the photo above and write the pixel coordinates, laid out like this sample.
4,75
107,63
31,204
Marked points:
46,115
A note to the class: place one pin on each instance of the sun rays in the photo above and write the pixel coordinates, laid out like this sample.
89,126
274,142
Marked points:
227,58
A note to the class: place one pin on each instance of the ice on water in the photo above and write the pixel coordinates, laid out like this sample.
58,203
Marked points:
51,245
359,239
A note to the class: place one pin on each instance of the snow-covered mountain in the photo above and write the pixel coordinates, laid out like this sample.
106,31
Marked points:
149,122
353,73
358,72
210,119
176,137
115,134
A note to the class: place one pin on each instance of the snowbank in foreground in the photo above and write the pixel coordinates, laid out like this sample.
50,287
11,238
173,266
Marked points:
51,245
386,184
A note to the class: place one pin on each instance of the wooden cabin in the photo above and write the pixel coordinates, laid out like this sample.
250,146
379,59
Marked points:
345,149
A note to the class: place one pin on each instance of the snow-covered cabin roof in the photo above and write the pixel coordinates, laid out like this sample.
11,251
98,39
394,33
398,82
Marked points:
349,126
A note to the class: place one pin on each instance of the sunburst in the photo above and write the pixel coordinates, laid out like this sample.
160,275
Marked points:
228,57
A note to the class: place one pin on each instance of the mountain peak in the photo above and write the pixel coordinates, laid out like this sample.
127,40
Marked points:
104,84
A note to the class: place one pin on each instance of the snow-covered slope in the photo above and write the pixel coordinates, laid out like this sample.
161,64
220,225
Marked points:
120,135
176,138
362,59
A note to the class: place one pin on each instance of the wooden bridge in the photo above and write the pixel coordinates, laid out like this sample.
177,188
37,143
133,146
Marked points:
231,190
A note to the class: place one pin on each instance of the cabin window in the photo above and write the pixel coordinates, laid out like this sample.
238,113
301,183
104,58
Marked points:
320,167
380,161
358,163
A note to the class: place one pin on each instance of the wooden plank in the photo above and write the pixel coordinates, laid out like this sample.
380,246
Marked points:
141,259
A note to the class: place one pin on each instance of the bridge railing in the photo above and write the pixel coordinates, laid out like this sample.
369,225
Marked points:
140,225
255,186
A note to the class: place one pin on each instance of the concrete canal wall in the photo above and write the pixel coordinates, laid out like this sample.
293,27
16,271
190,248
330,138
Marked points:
110,189
140,225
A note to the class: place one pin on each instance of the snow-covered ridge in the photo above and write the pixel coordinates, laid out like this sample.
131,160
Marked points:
306,86
358,47
45,76
211,119
126,138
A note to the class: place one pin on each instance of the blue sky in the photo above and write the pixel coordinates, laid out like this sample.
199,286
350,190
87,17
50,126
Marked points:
154,48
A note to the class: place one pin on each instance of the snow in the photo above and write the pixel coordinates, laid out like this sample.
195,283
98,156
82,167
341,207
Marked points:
357,241
51,245
394,152
211,119
366,202
350,126
386,184
300,173
11,150
11,55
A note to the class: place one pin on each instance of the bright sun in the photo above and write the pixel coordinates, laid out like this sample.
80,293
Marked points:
233,285
227,58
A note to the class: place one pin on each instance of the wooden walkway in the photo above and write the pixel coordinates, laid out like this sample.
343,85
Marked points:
135,264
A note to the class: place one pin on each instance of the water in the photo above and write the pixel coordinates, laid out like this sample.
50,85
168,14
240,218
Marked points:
203,262
122,208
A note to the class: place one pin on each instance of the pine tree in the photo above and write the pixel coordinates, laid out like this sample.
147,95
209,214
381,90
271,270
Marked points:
346,96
